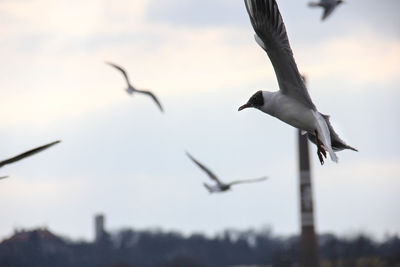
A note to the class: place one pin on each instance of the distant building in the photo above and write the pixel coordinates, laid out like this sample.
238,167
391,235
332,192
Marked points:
41,234
40,239
99,231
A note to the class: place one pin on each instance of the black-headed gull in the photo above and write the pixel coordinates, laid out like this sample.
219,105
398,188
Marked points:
327,5
220,186
27,154
130,90
292,103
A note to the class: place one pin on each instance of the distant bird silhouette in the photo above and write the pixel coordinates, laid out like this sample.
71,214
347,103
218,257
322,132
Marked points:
327,5
3,177
26,154
130,90
220,186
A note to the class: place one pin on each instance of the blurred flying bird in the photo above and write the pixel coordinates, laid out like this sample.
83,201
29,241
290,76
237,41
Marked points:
130,90
292,103
27,154
220,186
327,5
3,177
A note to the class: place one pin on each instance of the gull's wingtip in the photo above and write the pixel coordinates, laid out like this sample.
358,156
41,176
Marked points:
110,63
55,142
188,155
264,178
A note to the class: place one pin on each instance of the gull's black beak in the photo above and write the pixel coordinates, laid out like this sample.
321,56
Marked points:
247,105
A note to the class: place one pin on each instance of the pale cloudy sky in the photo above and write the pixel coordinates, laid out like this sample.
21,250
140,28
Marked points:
120,156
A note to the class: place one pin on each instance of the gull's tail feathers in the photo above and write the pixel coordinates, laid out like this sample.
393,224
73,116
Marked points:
337,143
313,4
325,136
209,188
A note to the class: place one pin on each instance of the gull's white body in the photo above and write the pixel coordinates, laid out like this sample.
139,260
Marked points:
130,89
298,115
216,188
289,110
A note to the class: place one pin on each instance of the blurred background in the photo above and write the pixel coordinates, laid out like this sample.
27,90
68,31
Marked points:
121,157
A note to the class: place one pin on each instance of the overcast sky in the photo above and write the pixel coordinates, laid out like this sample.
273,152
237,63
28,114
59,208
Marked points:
122,157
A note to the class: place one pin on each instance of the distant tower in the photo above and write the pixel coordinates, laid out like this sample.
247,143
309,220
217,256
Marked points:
99,227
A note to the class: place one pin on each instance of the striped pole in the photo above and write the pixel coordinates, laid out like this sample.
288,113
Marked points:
308,241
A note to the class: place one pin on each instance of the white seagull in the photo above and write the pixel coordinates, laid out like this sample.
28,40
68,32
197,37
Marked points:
292,103
26,154
130,89
327,5
220,186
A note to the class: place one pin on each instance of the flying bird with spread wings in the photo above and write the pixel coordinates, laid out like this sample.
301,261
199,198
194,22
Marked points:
130,89
26,154
220,186
291,104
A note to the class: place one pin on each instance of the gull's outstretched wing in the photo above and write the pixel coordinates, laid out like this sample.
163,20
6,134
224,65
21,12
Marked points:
152,96
204,168
249,181
3,177
27,154
121,70
272,37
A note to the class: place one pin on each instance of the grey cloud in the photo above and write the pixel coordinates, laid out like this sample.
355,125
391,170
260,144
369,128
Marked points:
380,16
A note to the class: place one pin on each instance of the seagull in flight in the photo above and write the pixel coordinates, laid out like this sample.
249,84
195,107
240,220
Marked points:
291,104
26,154
220,186
130,90
327,5
3,177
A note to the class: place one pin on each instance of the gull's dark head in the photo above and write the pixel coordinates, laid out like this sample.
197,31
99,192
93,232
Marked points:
339,2
255,101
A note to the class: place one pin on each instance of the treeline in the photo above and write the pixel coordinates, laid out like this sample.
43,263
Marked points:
128,247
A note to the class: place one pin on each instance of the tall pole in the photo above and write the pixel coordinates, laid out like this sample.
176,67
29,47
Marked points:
308,241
